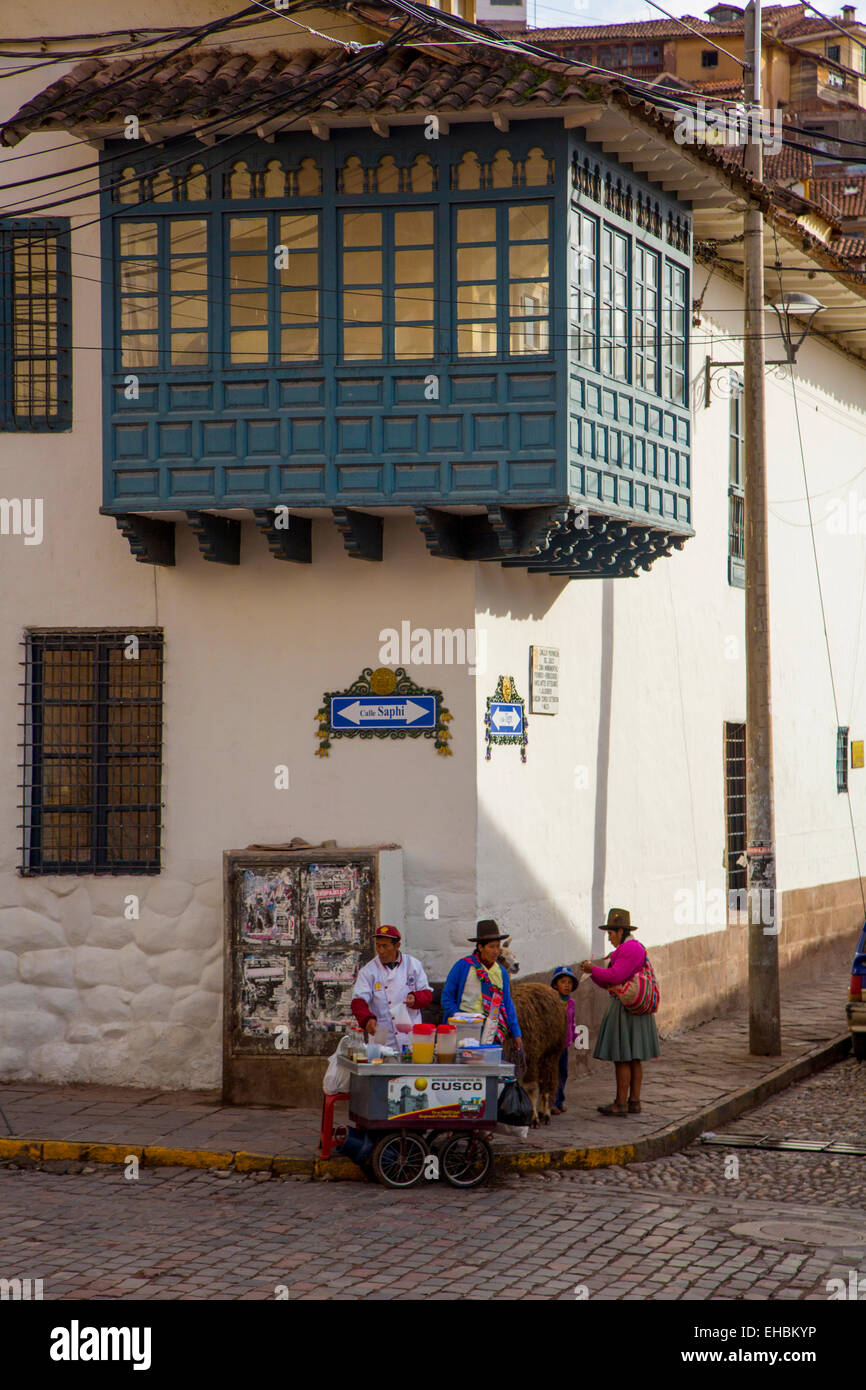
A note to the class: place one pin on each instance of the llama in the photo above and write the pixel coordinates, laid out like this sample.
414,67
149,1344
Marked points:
542,1022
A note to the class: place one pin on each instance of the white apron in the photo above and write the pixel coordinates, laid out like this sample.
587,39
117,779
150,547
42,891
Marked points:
384,989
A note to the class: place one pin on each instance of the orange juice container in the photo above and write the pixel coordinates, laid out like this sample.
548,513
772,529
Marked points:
423,1041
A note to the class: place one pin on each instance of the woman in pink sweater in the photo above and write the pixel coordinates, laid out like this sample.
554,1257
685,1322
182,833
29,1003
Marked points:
625,1039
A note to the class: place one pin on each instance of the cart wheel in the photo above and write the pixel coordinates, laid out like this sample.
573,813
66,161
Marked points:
398,1159
859,1041
465,1161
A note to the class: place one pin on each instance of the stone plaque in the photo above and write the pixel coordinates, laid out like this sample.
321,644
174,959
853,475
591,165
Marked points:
544,682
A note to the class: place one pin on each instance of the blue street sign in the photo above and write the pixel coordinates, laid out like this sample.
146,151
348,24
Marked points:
506,719
383,712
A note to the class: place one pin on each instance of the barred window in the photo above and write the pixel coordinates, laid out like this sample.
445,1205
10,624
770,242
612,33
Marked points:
735,815
736,498
35,365
92,751
842,759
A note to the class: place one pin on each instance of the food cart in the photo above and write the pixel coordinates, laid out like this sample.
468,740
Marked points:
408,1121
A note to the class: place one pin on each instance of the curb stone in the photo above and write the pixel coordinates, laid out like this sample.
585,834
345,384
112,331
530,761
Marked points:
677,1136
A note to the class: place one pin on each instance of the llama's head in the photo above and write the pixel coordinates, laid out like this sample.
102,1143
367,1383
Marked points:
507,957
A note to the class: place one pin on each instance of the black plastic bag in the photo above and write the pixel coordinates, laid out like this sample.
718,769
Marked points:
515,1107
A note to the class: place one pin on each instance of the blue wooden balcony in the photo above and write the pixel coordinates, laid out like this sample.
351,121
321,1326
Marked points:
490,330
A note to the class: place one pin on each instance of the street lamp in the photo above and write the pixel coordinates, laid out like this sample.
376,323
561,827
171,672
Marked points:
790,306
800,306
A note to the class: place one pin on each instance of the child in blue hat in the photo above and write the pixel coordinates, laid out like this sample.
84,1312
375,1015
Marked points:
565,983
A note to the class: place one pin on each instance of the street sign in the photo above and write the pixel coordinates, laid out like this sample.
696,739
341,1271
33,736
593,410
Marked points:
506,719
383,712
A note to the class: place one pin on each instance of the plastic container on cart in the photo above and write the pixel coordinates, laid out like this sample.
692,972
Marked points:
446,1042
423,1042
489,1052
470,1053
468,1026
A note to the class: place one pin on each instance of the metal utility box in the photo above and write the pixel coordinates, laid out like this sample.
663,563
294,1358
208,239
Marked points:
405,1096
299,924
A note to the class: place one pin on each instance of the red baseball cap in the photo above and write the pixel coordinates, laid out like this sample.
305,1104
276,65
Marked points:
390,933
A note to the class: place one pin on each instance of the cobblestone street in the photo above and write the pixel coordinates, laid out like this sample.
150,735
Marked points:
674,1229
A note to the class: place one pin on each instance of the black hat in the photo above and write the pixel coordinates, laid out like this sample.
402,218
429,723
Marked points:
487,930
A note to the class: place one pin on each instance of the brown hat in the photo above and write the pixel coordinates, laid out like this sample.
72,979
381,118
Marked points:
618,919
487,930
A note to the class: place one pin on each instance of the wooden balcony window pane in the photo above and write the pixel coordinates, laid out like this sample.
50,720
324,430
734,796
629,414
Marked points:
300,231
528,222
299,345
527,262
189,275
415,342
476,339
414,304
138,239
303,269
476,224
189,350
247,272
476,263
188,236
249,311
362,267
413,228
413,267
362,306
527,336
476,302
188,311
138,276
140,314
362,229
139,350
528,297
249,345
362,342
66,782
248,234
300,307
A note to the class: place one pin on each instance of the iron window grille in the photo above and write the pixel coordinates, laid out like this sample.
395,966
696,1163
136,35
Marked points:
35,325
736,497
735,816
91,751
842,759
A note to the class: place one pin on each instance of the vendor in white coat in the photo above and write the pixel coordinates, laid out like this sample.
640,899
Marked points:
389,979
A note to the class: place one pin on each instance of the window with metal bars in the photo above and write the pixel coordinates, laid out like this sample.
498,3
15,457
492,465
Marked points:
842,759
35,355
91,751
736,497
735,812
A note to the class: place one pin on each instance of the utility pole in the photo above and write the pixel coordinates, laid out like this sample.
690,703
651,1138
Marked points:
765,1037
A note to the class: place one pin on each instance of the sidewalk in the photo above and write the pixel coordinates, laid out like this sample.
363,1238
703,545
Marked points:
704,1078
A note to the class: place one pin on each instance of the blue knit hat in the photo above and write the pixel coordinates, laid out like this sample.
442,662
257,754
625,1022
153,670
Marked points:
564,970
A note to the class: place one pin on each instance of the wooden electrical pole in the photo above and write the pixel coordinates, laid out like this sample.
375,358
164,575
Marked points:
765,1038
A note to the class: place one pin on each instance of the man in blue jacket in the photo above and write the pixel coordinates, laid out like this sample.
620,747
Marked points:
478,984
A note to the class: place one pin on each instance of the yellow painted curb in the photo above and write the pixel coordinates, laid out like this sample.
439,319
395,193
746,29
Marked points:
21,1148
58,1148
338,1168
282,1163
253,1163
155,1156
112,1153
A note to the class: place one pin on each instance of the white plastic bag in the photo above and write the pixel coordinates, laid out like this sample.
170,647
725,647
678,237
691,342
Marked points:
337,1075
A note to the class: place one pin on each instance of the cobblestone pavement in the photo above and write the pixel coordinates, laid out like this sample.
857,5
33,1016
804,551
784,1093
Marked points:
652,1231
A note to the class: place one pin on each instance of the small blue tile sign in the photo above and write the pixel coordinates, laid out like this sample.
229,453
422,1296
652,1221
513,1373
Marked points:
505,720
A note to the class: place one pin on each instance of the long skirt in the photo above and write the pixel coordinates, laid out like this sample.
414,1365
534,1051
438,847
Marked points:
625,1037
